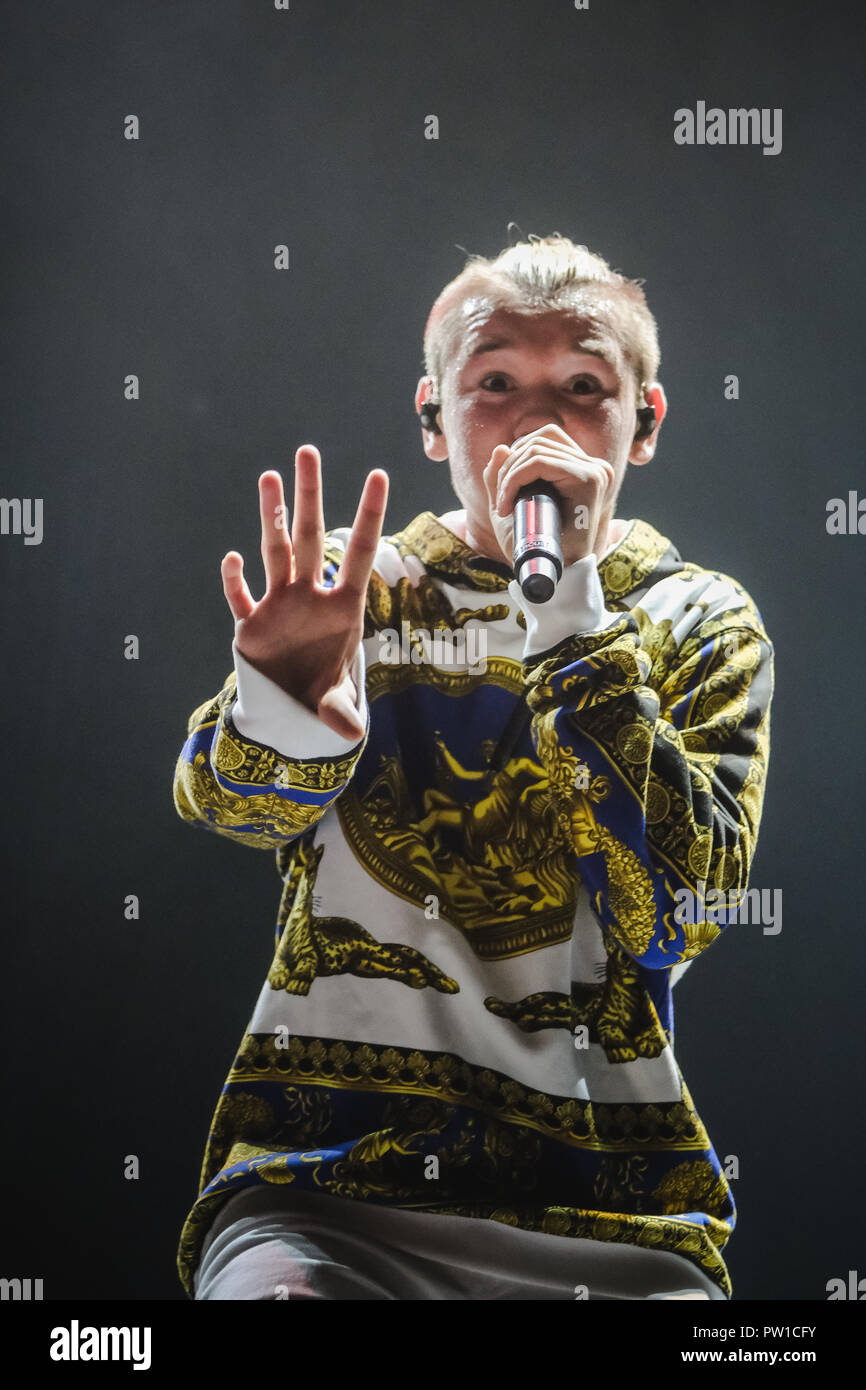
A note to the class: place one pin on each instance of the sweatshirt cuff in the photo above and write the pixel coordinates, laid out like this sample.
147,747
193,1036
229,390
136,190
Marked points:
577,607
266,714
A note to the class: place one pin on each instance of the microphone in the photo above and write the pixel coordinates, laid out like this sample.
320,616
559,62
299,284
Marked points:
537,559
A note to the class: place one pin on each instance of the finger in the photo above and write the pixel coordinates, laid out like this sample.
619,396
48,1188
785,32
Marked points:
490,476
550,468
238,596
276,546
549,431
308,527
357,564
337,710
500,465
564,445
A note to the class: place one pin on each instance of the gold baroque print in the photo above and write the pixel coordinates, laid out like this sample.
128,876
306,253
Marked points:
623,666
728,672
532,1013
508,1160
658,800
632,560
518,838
444,553
611,727
366,1171
376,1164
699,856
619,1015
509,886
634,742
208,713
621,1010
272,815
669,814
697,937
642,551
693,1186
312,947
511,1158
629,893
433,1117
658,642
638,553
742,619
256,765
384,678
420,604
233,753
262,1161
245,1118
574,804
620,1178
237,1112
195,1228
661,1125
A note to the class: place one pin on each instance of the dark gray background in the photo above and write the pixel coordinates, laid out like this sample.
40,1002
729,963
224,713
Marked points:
156,257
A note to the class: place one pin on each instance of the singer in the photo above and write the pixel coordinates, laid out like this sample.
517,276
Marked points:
458,1080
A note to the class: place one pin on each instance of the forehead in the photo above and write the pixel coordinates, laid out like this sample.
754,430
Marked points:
586,325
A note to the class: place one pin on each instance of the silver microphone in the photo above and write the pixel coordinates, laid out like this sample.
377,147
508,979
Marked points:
537,559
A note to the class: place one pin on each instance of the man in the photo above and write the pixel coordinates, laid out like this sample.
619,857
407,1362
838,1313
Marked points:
459,1079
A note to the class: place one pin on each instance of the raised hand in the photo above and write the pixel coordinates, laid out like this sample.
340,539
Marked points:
301,634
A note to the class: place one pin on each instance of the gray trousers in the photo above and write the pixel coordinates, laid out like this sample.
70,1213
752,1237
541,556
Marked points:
267,1244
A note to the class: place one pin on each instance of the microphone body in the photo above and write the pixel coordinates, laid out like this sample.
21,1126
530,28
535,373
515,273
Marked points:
537,559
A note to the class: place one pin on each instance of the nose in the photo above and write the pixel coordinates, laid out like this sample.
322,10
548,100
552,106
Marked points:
536,420
538,408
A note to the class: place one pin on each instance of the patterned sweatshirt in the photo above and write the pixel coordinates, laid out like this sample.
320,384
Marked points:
469,1006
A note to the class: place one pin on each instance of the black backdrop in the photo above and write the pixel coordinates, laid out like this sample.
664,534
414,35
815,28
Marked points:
155,257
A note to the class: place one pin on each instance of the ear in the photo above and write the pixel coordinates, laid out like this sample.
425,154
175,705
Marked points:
435,445
642,450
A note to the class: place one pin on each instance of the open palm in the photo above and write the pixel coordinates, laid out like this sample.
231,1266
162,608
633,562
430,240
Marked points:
301,634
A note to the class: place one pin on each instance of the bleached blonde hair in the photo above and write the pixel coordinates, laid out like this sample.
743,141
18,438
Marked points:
544,273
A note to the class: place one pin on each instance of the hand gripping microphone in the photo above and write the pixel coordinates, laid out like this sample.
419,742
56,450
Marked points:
537,559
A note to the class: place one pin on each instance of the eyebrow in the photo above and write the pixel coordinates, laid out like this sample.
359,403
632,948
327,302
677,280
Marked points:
494,344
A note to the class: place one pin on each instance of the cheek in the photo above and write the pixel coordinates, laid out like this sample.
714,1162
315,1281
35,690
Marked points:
610,417
460,418
614,433
473,428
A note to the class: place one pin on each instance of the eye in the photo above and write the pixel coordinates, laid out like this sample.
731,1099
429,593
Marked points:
583,385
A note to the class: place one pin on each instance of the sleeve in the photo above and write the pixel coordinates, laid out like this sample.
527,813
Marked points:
258,766
656,747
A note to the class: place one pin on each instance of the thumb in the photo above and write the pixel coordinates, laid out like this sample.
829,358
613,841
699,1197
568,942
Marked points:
338,710
491,472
